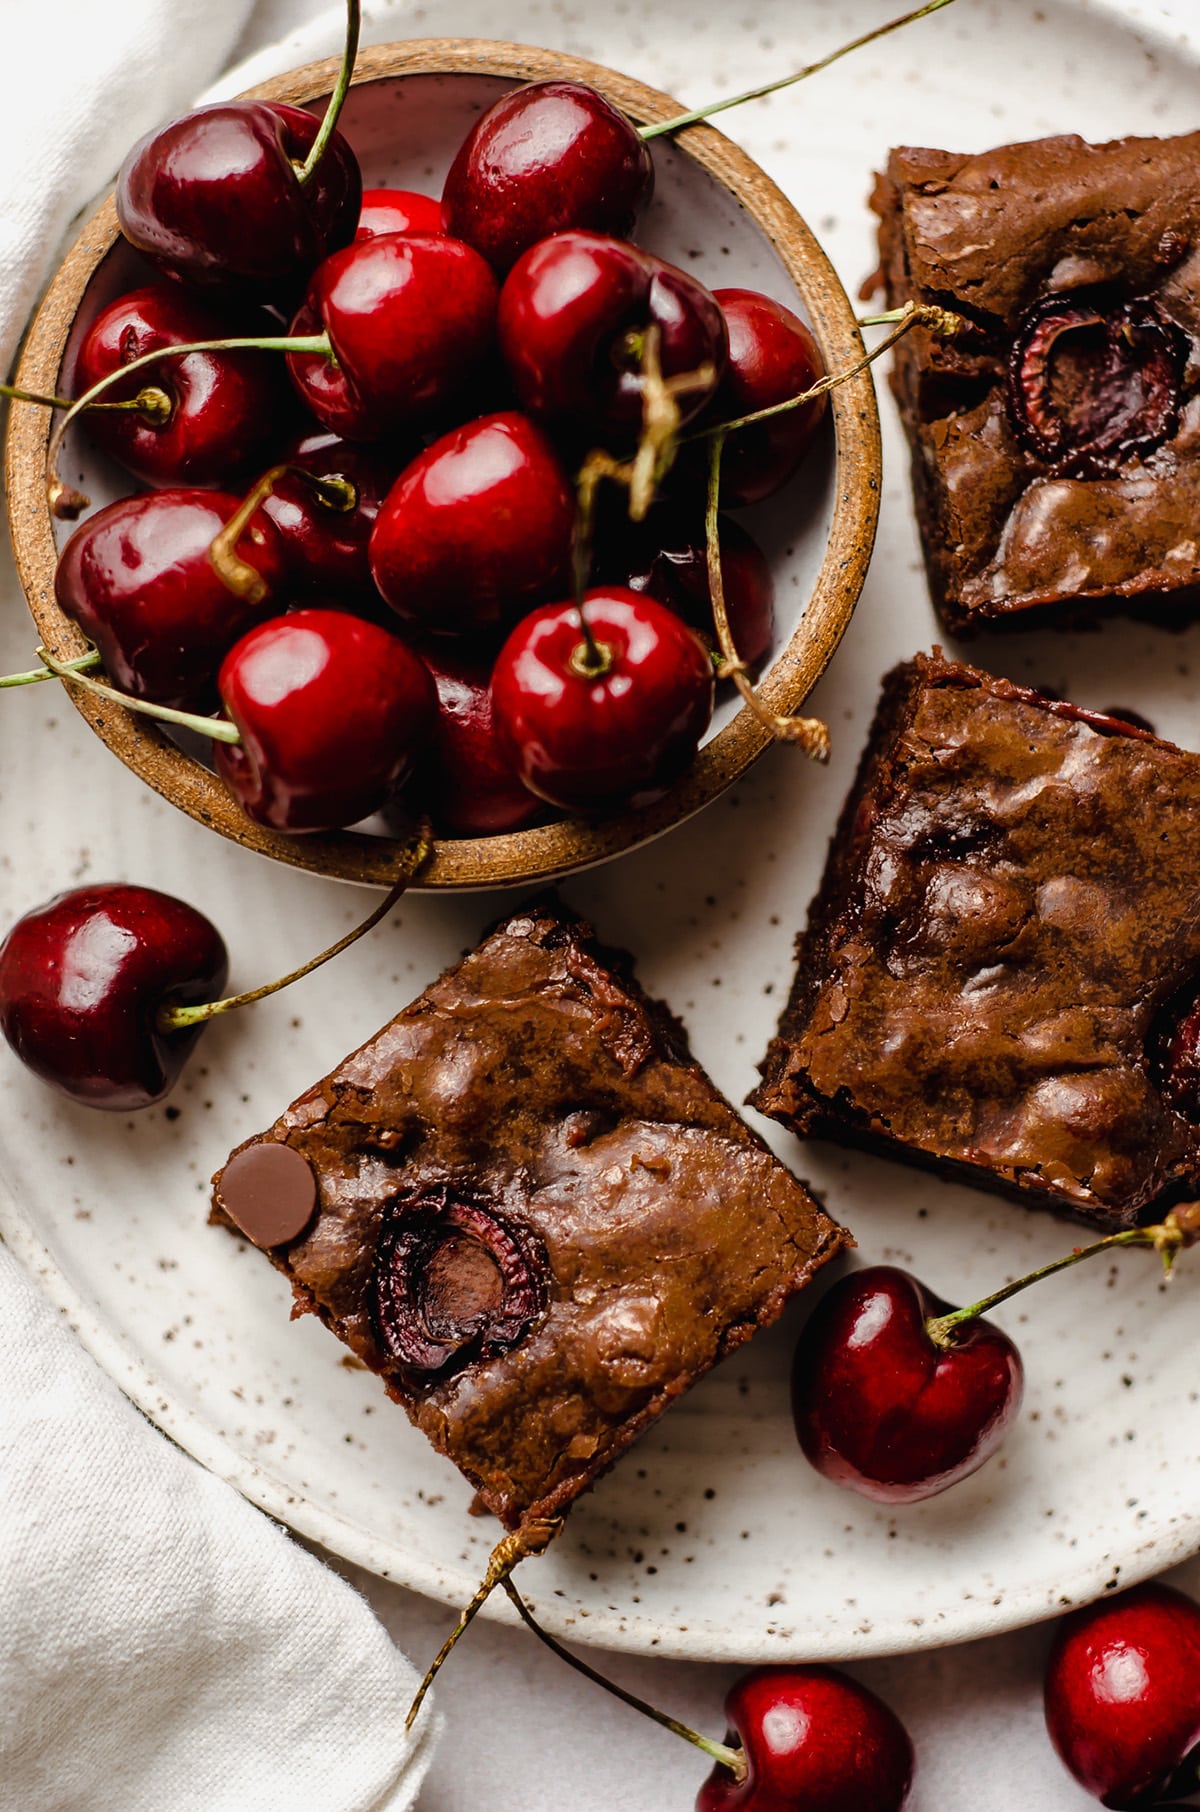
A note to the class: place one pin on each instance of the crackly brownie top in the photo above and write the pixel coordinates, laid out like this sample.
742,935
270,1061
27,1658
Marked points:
536,1216
1060,437
1008,932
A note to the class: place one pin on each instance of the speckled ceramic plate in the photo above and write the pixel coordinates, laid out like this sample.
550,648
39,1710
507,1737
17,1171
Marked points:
712,1538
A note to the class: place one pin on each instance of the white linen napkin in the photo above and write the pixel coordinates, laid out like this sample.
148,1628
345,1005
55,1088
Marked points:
164,1647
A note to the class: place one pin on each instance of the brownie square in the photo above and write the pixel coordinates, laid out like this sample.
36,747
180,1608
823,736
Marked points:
1056,445
1003,951
535,1217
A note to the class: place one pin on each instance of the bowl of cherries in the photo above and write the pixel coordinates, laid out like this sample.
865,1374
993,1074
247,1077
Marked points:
399,473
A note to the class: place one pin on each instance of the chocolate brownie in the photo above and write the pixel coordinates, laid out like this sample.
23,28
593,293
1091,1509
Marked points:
1002,964
1056,445
535,1217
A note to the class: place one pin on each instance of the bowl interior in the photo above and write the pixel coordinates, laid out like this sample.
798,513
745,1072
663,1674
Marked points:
713,213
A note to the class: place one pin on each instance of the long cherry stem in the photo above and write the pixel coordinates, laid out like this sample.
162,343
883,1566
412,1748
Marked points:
414,858
733,1759
218,728
349,53
1179,1228
82,663
754,94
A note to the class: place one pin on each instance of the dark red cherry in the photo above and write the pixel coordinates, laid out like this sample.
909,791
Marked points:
621,734
215,197
666,556
222,408
411,319
325,536
880,1408
397,211
1181,1078
545,158
477,529
138,579
814,1741
465,780
574,312
772,356
83,979
332,711
1123,1696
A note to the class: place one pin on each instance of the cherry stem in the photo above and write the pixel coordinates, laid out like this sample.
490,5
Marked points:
1179,1228
218,728
81,664
733,1759
508,1553
413,859
811,734
151,402
342,88
64,500
237,575
754,94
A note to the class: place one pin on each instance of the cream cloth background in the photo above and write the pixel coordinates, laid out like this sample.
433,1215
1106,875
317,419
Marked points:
521,1731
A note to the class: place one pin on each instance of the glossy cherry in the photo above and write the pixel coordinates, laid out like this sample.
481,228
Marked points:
138,579
477,529
619,731
215,197
83,979
772,356
325,537
879,1407
331,710
573,318
397,211
411,320
547,157
814,1741
1123,1696
666,556
222,409
465,779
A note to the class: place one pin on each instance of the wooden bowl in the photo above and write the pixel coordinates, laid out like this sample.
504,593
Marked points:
410,106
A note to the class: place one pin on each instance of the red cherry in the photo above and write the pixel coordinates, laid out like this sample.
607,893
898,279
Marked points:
772,356
547,157
215,197
397,211
814,1741
622,735
138,579
477,529
1123,1696
466,780
83,979
411,319
324,542
224,406
331,710
880,1408
573,315
666,556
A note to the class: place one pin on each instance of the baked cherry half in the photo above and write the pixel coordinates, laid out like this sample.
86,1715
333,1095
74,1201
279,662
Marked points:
814,1740
84,978
545,158
882,1408
1123,1697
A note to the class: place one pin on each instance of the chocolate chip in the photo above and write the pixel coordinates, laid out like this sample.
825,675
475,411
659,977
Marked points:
269,1192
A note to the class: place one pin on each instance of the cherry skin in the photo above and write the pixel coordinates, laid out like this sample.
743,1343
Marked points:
772,356
411,319
814,1741
465,780
545,158
666,556
880,1408
215,197
478,529
397,211
83,978
138,579
332,712
324,541
620,736
574,311
1123,1696
224,406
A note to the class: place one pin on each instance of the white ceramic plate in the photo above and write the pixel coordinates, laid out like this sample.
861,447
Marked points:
712,1538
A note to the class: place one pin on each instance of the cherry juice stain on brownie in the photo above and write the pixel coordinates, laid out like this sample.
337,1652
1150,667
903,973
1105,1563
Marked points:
1003,961
1056,446
536,1218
